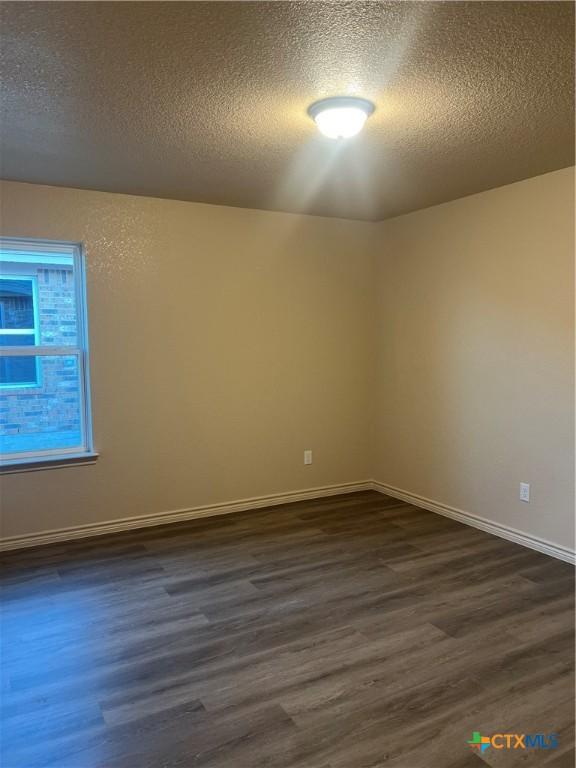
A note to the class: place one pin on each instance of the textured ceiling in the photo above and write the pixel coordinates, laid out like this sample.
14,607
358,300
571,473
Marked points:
207,101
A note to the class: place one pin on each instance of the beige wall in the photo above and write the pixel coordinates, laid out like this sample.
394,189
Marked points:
433,352
476,344
223,343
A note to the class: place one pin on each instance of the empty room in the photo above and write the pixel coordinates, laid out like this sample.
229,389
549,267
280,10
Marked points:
287,384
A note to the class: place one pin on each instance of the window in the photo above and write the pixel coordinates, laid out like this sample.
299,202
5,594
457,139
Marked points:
44,392
18,327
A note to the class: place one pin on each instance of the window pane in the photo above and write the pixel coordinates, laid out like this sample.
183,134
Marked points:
39,289
16,303
17,339
17,371
48,417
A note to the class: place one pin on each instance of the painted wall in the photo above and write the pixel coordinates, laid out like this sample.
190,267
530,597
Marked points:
433,352
476,354
224,342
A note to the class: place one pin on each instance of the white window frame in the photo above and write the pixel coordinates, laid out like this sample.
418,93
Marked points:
45,253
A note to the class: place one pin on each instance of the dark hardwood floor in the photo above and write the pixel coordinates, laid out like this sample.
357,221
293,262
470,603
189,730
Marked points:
348,632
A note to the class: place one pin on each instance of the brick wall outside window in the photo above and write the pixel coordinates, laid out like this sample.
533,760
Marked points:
52,406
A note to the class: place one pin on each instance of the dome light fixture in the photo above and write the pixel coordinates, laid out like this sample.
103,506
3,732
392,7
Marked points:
340,117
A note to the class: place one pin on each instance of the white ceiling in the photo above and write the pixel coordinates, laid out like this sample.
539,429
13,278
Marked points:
206,101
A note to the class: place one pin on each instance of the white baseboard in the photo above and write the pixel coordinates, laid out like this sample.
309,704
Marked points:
257,502
176,516
503,531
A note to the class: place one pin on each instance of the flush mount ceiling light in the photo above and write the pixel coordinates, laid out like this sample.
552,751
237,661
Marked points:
340,117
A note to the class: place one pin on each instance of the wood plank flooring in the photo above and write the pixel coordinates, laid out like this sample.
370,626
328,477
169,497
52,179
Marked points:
348,632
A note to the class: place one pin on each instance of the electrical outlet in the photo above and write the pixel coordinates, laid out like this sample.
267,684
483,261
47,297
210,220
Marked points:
525,492
307,457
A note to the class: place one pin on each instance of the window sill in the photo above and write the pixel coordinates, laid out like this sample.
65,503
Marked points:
35,464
